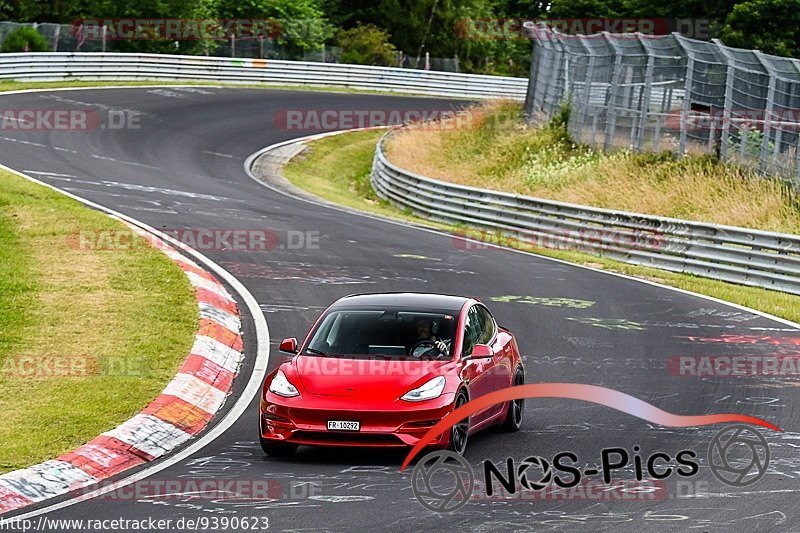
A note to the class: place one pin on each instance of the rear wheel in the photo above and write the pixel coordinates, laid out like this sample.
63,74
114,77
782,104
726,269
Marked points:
513,419
460,431
277,449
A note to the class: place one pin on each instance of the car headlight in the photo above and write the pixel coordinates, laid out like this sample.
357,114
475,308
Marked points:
431,389
281,386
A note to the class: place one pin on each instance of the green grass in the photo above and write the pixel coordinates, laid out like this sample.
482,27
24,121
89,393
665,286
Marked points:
494,149
125,320
337,169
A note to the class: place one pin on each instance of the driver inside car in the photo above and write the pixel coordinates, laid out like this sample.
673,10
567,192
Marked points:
425,333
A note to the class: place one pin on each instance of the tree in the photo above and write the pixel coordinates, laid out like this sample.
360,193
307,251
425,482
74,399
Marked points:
367,45
744,24
299,25
25,39
580,9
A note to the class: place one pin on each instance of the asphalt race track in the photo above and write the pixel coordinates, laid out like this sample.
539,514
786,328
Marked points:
183,169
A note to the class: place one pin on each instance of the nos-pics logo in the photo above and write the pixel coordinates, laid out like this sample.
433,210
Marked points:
443,481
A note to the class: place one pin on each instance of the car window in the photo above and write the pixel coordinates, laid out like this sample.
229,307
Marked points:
388,333
472,330
487,325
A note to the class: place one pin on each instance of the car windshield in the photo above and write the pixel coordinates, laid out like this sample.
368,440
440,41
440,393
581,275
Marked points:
384,333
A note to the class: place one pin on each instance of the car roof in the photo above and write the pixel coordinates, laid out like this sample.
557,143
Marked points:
403,300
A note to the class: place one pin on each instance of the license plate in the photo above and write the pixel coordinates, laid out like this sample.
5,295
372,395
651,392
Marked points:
343,425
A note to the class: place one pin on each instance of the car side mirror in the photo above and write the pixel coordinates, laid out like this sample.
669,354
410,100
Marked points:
480,351
288,345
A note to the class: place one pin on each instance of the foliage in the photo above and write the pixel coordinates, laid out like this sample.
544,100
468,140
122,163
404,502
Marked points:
782,17
367,45
25,39
301,24
485,36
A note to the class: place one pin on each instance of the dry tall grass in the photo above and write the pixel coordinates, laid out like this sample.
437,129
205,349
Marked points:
492,148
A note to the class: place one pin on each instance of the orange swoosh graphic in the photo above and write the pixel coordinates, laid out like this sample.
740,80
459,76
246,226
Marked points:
577,391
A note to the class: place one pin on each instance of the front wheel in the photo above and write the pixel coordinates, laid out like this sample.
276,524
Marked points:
277,449
513,419
460,431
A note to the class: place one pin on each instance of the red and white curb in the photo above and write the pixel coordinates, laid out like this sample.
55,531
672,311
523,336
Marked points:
184,407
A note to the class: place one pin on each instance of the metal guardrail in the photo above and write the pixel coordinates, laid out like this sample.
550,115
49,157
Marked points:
738,255
58,66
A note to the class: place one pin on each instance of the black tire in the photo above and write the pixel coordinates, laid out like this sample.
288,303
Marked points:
277,449
459,432
516,408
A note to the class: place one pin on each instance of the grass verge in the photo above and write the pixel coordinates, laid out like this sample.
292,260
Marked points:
337,169
493,148
87,336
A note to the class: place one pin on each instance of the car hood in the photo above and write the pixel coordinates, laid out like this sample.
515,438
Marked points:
368,379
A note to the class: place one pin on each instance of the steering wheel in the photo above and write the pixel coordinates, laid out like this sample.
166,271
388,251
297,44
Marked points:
429,344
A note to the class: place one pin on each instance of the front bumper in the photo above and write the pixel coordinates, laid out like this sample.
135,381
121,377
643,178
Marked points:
399,424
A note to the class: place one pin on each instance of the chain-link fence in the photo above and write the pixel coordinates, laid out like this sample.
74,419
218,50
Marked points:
670,93
72,38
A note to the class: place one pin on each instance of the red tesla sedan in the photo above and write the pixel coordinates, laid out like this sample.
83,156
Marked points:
382,369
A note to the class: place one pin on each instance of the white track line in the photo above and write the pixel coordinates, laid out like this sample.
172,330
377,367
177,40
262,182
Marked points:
251,159
253,385
262,332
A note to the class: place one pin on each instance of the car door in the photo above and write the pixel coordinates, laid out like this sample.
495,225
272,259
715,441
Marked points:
478,372
498,370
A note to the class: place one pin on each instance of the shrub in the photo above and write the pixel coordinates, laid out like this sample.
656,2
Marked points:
366,45
25,39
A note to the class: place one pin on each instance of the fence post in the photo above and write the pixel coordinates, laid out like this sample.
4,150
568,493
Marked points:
687,93
105,35
233,46
773,75
588,85
644,108
56,36
611,111
727,109
532,77
554,92
687,103
797,164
